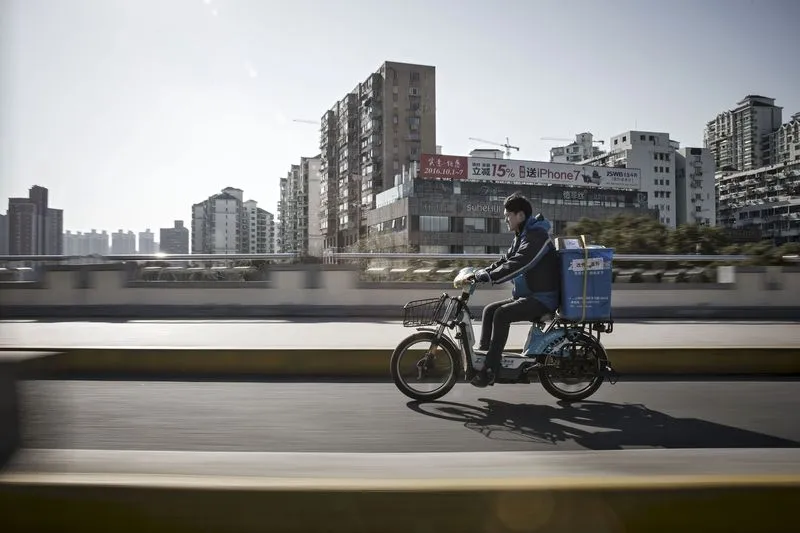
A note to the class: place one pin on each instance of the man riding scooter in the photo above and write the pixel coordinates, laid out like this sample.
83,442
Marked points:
532,265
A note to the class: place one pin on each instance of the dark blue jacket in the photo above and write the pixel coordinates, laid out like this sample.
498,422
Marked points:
531,264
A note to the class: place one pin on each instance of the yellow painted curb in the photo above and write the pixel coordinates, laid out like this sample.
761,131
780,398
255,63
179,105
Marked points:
204,482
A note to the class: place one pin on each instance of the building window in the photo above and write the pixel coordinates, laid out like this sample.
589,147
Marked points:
474,225
434,224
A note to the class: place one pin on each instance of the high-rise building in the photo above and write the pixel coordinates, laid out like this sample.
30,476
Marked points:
785,142
271,237
695,196
282,227
3,234
23,228
82,244
367,139
219,224
580,149
225,224
258,226
123,243
147,242
287,221
740,138
299,228
174,240
33,227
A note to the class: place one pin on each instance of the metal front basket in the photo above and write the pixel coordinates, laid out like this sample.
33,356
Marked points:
425,312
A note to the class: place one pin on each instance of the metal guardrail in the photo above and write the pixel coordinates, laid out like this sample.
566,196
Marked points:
617,257
362,255
147,257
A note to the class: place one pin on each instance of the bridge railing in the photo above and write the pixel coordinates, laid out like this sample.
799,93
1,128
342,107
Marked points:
372,266
152,267
628,268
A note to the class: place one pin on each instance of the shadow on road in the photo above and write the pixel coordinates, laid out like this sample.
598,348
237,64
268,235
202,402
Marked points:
596,426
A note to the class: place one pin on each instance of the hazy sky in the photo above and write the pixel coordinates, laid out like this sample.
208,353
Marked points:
129,111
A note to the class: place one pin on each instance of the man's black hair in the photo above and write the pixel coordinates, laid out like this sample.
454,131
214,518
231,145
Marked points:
516,203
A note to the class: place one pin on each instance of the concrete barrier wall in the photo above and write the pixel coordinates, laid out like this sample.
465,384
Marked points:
108,289
92,503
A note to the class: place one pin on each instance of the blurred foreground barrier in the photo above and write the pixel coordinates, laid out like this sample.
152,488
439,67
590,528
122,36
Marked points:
44,503
215,363
14,367
378,288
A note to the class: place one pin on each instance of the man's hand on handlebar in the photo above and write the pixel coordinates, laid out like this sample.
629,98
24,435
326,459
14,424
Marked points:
479,276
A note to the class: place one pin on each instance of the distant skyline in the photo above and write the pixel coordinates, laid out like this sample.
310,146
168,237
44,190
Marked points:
130,112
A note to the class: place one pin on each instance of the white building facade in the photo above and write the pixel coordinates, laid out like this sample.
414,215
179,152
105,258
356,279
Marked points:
91,243
219,224
695,194
147,242
123,243
658,157
261,235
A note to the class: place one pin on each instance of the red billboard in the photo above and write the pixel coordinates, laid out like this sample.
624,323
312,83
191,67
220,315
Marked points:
452,167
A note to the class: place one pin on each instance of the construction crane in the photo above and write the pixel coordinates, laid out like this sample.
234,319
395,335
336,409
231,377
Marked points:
507,146
305,121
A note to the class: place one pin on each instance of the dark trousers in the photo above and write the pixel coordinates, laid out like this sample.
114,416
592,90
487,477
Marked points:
497,320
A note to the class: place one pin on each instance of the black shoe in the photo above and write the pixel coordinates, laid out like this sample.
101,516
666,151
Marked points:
484,378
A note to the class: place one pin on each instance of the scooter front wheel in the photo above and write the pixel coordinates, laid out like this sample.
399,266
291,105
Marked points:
421,360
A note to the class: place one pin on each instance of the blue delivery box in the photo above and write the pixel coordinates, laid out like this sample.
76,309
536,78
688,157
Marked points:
586,279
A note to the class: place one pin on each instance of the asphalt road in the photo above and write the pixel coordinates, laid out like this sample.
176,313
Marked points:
375,417
310,335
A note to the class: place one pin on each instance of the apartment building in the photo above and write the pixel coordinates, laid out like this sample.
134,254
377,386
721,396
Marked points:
366,140
174,240
271,233
657,156
3,234
261,239
740,138
226,224
766,199
220,225
785,142
147,242
123,243
581,149
82,244
695,193
33,227
299,217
